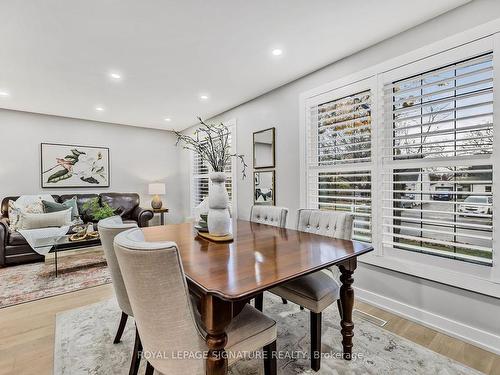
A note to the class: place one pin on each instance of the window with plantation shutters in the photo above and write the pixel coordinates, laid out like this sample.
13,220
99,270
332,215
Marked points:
201,181
339,156
438,173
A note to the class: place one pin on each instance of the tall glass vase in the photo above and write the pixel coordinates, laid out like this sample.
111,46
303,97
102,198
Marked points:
219,220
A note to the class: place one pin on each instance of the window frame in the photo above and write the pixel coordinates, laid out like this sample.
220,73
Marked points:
469,276
368,84
445,58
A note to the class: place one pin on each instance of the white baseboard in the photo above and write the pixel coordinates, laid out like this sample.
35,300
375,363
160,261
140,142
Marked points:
471,335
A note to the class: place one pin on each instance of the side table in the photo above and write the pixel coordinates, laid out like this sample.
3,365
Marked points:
162,212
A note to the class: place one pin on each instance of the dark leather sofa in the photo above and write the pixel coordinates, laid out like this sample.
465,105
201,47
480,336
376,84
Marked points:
15,250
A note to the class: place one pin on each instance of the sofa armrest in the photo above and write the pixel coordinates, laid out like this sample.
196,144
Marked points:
4,238
4,230
142,216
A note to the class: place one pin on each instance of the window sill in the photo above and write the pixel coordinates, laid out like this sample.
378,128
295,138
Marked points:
478,279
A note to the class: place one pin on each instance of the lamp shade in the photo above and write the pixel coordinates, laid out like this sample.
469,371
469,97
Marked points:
157,188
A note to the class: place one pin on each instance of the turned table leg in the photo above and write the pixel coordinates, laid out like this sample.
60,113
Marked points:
216,316
347,302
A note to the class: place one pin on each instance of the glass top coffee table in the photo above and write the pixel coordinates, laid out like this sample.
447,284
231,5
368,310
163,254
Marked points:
63,243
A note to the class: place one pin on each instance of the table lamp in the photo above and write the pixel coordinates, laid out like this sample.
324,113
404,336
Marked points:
156,189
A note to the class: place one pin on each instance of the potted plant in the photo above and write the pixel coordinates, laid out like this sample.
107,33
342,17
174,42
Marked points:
211,143
96,211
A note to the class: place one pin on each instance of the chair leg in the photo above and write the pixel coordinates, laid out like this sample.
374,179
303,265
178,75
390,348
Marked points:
136,359
315,341
339,305
284,301
270,361
259,301
149,369
121,327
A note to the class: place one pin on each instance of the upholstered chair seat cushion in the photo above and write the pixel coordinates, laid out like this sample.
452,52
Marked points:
315,291
269,215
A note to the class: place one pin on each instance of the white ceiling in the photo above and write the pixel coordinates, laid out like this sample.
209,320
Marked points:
55,55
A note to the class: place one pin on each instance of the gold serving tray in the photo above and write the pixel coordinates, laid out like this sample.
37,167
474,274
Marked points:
84,236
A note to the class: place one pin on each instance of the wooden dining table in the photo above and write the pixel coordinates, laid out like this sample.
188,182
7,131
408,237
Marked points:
226,276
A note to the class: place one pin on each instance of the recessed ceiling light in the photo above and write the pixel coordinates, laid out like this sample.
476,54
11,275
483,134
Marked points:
115,75
203,97
168,119
277,52
99,108
4,93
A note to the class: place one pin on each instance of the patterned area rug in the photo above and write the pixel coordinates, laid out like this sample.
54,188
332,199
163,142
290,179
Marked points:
84,337
79,269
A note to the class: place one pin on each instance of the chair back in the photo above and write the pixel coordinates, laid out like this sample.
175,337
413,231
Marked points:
108,229
270,215
326,223
157,289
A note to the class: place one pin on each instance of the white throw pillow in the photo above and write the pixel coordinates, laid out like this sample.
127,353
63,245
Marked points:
25,204
14,215
52,219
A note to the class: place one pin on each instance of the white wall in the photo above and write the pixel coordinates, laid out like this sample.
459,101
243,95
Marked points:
459,312
137,155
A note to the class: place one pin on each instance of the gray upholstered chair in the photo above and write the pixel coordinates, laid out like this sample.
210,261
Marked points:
318,290
108,229
269,215
166,320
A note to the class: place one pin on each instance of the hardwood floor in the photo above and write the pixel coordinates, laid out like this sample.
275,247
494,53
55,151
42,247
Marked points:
27,334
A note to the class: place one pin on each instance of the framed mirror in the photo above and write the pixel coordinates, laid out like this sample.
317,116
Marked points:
264,188
263,149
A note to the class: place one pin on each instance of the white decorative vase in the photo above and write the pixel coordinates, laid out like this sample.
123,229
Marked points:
219,220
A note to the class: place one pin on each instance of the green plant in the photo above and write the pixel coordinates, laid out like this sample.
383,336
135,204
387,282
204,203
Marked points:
96,211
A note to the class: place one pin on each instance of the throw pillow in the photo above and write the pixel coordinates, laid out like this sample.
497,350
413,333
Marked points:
55,207
14,215
25,203
52,219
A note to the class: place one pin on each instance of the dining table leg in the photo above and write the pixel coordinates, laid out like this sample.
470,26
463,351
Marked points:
347,301
216,315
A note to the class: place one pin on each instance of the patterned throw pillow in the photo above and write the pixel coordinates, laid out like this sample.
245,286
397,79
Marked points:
34,208
15,212
14,215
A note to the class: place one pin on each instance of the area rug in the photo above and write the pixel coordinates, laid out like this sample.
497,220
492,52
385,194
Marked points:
83,345
29,282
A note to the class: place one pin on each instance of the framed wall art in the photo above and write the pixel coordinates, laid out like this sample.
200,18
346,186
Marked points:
73,166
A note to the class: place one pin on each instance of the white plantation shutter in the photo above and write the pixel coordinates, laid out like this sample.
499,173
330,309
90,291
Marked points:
444,113
437,158
200,178
201,181
339,156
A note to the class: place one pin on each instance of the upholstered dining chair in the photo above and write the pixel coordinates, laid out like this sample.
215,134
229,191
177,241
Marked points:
269,215
318,290
108,229
167,321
